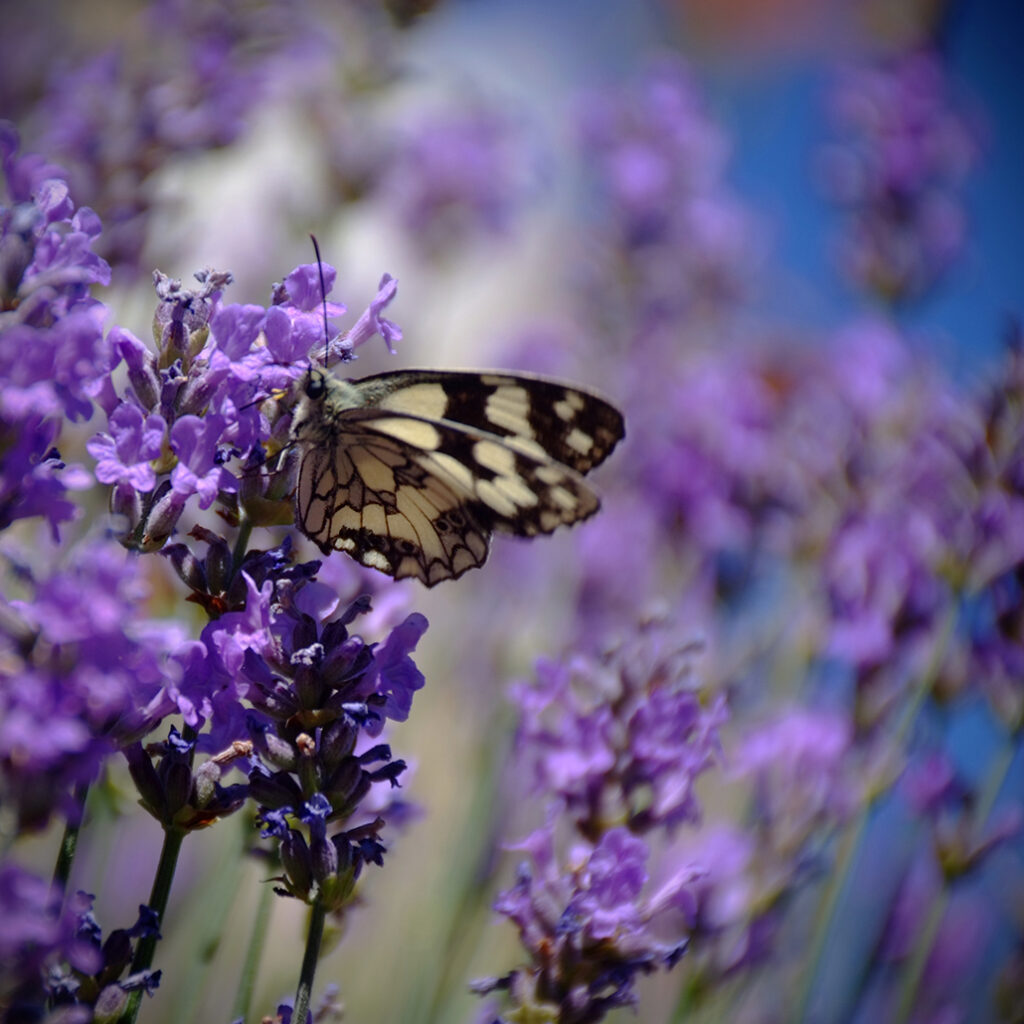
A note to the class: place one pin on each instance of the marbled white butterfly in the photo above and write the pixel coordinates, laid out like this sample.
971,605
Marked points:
410,472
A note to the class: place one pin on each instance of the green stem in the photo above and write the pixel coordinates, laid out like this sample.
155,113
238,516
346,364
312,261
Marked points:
304,993
849,847
69,842
253,955
158,903
855,832
241,542
210,905
914,970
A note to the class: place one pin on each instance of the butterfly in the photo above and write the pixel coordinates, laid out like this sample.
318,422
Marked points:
410,472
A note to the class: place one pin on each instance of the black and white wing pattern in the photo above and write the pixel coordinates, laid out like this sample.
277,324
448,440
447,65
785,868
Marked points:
410,472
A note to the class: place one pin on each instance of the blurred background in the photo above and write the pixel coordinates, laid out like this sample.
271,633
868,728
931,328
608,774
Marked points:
786,237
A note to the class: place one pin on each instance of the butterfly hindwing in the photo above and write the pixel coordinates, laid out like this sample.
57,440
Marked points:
391,477
367,496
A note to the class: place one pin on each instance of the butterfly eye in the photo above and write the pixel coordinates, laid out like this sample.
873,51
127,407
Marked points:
315,386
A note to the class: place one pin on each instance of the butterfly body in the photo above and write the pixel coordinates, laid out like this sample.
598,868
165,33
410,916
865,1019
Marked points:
411,471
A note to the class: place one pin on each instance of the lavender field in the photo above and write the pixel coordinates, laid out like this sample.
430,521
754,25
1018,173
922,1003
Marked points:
744,745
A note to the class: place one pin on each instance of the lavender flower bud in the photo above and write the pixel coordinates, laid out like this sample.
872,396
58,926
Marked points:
126,506
297,863
143,378
279,752
162,519
187,566
342,784
274,791
324,859
218,563
146,780
110,1004
177,787
204,782
337,741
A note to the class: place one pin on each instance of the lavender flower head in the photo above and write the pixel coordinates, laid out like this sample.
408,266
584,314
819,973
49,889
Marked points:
908,149
84,674
623,737
591,924
198,421
315,690
38,935
53,356
658,162
459,175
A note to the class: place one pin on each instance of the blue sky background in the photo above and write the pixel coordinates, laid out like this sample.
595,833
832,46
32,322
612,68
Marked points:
773,109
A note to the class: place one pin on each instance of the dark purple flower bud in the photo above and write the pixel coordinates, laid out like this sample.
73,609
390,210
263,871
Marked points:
177,779
277,790
297,862
342,784
323,859
338,741
127,507
219,564
146,780
186,565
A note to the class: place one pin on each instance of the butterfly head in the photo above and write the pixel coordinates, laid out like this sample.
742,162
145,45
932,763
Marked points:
323,398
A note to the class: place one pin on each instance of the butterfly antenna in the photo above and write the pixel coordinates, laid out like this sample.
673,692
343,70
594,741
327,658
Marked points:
323,297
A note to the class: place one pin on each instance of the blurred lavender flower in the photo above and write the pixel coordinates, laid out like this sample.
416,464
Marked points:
615,744
590,926
624,737
53,356
460,174
906,149
37,934
114,117
83,675
659,161
802,777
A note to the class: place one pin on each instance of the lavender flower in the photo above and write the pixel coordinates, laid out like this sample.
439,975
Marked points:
458,175
623,737
204,400
906,150
658,160
53,356
315,688
801,774
115,117
84,673
590,926
37,933
127,457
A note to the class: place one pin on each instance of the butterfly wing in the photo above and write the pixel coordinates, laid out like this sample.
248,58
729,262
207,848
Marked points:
550,419
419,497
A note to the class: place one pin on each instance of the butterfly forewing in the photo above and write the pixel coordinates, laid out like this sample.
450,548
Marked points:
560,421
410,472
